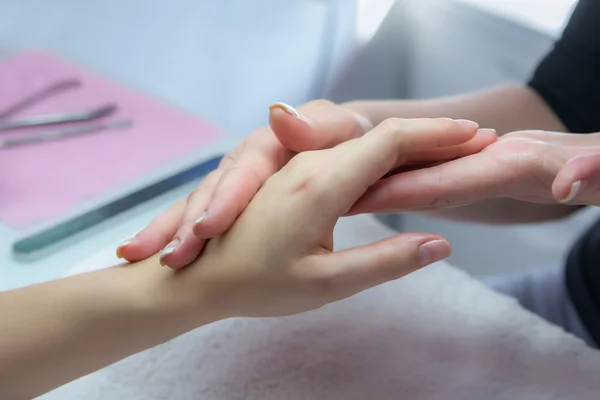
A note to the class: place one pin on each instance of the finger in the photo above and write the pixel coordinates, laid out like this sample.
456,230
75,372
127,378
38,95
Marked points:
350,271
316,125
462,181
358,164
482,139
182,250
431,158
234,191
578,180
183,246
154,237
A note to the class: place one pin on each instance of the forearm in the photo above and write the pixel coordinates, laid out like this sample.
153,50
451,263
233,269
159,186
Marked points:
57,331
506,108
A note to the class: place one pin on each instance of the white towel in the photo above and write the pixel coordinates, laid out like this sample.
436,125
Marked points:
438,334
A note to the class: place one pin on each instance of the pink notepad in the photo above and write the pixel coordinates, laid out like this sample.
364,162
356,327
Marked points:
42,181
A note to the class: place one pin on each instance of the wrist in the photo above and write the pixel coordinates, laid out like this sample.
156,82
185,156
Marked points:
173,295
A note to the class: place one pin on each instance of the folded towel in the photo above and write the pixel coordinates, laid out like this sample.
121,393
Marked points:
437,334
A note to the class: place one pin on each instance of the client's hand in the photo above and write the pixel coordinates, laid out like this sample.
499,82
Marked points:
521,165
278,257
216,203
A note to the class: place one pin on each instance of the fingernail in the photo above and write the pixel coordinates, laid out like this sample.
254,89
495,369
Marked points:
200,219
285,107
433,251
486,130
121,247
170,248
575,187
467,124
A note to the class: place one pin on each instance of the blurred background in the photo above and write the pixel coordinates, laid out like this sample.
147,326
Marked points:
225,61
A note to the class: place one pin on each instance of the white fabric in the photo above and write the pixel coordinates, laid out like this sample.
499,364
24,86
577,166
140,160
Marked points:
437,334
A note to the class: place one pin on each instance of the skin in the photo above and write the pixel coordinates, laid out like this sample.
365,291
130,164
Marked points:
521,165
60,330
227,191
322,124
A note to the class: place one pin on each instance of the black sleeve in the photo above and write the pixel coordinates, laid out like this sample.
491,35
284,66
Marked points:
568,78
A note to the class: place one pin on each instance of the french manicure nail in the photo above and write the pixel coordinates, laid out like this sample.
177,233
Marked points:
467,124
285,107
170,248
433,251
575,187
121,246
200,219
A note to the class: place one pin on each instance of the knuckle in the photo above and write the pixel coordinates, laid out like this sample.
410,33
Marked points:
304,175
233,155
203,189
309,185
301,160
391,124
386,265
195,194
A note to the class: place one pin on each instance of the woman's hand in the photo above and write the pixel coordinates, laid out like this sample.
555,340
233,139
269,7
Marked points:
211,209
278,258
533,166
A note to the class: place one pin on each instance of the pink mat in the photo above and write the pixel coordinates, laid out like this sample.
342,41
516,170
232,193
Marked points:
41,181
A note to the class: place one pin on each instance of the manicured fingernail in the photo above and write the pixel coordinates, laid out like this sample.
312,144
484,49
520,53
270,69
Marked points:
285,107
486,130
200,219
575,187
170,248
121,247
433,251
467,124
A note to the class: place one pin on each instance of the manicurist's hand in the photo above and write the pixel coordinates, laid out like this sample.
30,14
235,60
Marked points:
533,166
211,209
578,181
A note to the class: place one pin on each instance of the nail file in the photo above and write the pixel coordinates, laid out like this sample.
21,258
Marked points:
40,242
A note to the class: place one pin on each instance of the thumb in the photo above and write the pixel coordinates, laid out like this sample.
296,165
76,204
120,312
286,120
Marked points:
354,270
319,124
578,181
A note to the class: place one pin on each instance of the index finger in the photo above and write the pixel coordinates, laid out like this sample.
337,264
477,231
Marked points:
362,162
455,183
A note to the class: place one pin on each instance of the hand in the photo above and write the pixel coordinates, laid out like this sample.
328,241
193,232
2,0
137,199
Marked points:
218,201
278,258
521,165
